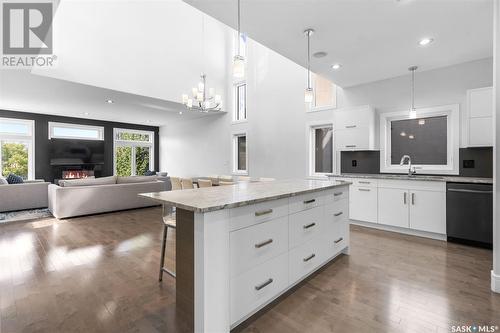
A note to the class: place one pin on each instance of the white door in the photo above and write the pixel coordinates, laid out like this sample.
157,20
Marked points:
393,207
428,211
363,204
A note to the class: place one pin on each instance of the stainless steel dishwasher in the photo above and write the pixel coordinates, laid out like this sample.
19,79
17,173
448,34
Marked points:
469,214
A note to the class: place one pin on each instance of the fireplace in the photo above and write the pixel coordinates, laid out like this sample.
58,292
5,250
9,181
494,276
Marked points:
77,174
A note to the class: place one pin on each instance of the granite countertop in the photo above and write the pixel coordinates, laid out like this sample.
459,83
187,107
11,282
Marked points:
448,179
202,200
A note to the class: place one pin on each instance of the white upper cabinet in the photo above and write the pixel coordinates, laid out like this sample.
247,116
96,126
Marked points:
354,128
480,117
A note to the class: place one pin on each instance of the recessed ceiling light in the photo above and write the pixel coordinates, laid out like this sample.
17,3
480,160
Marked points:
425,41
180,112
110,101
320,54
336,66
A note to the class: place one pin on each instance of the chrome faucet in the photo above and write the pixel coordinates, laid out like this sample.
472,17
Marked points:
411,171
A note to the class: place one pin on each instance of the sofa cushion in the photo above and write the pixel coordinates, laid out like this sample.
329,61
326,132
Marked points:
150,173
14,179
3,181
136,179
88,181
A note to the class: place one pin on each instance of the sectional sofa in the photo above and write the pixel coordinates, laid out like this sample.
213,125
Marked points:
29,195
92,196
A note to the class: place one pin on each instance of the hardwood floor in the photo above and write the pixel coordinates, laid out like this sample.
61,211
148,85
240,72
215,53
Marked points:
99,274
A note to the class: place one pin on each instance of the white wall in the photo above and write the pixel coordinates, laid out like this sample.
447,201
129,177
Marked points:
495,273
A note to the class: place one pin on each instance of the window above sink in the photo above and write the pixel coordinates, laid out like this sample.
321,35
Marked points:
431,140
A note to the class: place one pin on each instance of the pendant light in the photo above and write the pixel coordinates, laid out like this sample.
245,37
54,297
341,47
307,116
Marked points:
239,60
309,94
413,110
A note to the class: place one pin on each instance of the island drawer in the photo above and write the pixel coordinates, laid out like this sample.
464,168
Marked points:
254,245
258,286
246,216
306,201
306,258
305,225
336,194
336,231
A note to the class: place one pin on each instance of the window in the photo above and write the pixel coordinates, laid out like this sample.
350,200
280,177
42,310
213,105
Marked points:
240,113
431,140
133,152
321,149
325,93
75,131
17,147
240,154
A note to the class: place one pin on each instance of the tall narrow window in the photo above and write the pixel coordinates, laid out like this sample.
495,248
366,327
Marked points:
240,155
17,147
134,152
321,149
240,113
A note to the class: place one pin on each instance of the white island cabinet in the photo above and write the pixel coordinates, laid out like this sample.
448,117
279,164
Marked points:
240,247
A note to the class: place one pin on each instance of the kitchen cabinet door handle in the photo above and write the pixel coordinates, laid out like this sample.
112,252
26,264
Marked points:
413,198
309,201
264,212
404,198
364,182
468,191
309,225
264,284
339,240
364,189
338,214
336,194
350,146
351,126
264,243
306,259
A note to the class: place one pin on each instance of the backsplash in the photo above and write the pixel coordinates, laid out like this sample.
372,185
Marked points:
365,161
474,162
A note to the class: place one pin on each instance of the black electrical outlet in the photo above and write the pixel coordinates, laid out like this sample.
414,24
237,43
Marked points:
354,163
468,164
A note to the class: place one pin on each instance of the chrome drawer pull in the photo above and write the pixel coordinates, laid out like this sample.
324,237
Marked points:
351,126
309,258
309,201
364,189
350,146
336,194
338,214
364,182
309,225
339,240
413,198
265,284
263,212
264,243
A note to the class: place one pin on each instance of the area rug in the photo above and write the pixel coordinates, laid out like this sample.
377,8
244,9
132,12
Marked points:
24,215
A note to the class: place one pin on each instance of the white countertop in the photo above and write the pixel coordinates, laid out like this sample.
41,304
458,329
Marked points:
214,198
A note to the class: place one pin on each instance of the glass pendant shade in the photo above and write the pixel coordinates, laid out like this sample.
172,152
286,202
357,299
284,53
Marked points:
239,67
308,96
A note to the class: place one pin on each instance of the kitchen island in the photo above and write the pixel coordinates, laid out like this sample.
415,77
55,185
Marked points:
239,247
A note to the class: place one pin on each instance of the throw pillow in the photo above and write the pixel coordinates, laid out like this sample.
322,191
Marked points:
14,179
150,173
3,181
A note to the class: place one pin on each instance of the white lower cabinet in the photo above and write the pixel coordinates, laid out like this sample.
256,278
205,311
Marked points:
257,286
363,203
268,257
393,207
427,211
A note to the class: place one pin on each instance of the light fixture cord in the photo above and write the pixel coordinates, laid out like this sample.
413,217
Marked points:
308,60
413,89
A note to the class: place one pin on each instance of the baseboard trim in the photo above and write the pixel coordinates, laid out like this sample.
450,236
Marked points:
405,231
495,282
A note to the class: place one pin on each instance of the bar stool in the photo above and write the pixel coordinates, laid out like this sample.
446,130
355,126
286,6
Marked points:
168,216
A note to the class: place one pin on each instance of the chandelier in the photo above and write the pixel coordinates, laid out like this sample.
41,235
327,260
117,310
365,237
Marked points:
201,100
